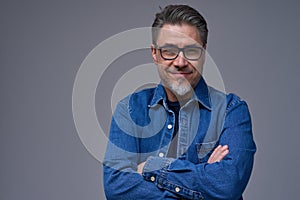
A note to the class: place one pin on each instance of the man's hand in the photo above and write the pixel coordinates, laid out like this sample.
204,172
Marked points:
219,153
140,168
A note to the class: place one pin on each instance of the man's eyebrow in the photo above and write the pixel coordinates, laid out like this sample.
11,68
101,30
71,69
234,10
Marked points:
173,45
194,45
169,45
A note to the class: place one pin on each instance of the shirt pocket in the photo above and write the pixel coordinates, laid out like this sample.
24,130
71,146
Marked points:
204,150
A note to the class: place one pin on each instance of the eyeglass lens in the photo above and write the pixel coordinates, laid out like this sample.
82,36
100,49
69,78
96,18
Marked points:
191,53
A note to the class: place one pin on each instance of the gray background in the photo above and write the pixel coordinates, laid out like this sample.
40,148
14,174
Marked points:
254,43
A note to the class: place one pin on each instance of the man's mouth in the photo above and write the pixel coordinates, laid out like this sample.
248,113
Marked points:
180,73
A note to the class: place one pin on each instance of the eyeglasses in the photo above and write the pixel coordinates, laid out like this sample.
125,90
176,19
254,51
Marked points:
171,52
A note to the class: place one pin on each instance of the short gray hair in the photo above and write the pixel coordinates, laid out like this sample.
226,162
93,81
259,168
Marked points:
178,14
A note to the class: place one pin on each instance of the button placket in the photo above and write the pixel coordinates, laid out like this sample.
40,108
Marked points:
183,133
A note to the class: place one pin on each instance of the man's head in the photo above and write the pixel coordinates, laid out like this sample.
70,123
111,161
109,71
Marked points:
179,39
180,14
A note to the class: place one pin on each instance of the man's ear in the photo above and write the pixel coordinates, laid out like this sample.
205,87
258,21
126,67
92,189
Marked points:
154,54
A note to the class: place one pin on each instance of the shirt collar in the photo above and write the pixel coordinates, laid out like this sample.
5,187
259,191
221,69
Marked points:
201,95
158,96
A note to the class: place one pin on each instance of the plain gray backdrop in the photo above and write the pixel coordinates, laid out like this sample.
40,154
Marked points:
254,43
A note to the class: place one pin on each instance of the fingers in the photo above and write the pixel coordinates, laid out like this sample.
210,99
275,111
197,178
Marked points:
212,157
218,154
140,167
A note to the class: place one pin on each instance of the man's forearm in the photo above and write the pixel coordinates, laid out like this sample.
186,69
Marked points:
218,154
128,185
220,180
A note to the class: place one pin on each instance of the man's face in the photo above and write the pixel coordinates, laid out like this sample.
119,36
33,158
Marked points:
180,75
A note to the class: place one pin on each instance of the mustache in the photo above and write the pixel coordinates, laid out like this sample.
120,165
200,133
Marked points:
179,70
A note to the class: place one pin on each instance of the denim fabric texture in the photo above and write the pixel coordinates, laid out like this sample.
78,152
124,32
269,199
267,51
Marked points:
141,130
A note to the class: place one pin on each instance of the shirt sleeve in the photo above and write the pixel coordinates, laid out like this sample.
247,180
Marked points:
221,180
121,180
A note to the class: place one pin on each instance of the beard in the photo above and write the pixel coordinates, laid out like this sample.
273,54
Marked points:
180,87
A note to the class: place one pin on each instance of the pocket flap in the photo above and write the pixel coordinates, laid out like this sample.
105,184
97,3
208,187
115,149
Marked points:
205,148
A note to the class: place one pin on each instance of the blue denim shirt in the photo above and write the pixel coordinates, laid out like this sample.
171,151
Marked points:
141,130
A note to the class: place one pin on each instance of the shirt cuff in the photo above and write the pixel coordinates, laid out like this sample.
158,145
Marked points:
154,165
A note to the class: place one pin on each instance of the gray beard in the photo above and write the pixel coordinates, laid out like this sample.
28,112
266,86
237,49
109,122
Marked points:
181,88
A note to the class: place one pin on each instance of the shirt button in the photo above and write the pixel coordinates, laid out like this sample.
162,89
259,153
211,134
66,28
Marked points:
177,189
152,178
161,155
170,126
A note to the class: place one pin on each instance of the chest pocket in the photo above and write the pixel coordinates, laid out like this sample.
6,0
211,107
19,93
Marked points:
219,105
204,150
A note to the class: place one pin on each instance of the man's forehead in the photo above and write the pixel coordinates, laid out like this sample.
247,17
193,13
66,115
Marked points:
178,35
180,42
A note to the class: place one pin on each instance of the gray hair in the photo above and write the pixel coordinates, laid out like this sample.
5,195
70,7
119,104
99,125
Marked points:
178,14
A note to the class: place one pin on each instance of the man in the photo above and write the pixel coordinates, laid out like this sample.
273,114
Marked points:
181,139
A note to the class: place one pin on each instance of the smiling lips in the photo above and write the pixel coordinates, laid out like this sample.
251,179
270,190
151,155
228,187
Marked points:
180,73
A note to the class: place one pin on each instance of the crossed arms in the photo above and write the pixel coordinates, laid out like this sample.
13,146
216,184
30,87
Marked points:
224,175
218,154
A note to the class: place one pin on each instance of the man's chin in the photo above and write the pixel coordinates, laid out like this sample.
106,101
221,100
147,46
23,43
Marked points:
181,91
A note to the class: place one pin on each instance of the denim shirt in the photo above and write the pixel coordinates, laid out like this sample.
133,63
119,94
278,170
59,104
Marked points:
141,130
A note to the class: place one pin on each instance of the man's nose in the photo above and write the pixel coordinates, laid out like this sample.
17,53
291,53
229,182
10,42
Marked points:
180,61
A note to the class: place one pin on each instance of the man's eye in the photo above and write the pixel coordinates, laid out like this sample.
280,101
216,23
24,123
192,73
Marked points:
170,50
192,51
